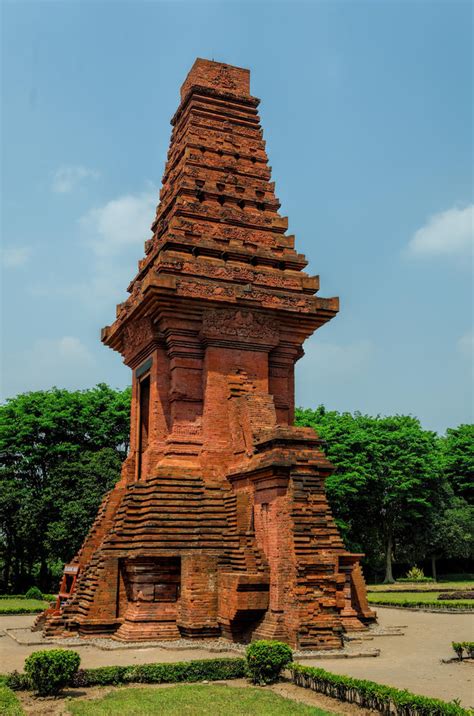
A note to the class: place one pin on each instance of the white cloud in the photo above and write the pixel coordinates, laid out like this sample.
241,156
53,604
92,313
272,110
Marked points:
15,256
116,233
66,179
449,233
120,223
465,344
113,235
62,362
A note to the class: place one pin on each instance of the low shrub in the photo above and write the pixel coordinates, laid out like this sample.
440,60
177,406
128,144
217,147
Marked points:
415,574
463,594
102,676
17,681
459,647
34,593
21,610
44,597
266,659
49,671
370,695
181,671
418,580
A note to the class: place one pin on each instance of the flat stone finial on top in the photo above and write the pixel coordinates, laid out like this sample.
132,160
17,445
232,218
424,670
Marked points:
217,75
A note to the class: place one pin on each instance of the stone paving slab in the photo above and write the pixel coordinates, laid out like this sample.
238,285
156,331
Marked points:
413,661
26,637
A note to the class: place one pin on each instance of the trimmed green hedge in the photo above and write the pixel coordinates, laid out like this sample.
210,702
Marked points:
181,671
445,605
45,597
410,580
22,610
370,695
459,647
209,669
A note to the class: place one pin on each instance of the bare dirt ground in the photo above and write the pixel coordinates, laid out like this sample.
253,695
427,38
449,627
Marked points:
409,662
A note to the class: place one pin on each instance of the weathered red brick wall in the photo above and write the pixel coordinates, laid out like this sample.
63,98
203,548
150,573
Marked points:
217,480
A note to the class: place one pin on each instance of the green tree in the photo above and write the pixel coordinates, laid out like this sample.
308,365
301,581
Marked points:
93,473
450,532
457,452
59,452
385,481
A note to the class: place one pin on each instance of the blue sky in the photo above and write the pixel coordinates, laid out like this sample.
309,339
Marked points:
367,113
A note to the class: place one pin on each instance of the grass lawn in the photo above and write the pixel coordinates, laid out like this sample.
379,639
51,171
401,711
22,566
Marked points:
193,700
428,598
422,586
21,606
9,704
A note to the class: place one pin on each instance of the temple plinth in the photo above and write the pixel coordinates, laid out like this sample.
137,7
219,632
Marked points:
219,524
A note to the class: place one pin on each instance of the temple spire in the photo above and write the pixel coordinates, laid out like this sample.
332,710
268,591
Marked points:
219,524
217,76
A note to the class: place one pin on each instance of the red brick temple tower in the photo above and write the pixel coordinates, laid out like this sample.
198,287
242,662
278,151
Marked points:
219,524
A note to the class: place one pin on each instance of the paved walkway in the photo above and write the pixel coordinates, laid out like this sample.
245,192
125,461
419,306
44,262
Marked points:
413,661
409,662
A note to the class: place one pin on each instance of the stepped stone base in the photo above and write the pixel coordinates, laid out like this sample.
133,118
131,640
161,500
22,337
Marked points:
219,524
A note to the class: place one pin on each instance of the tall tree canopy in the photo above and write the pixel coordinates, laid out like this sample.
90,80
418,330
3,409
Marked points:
398,491
457,451
59,452
389,484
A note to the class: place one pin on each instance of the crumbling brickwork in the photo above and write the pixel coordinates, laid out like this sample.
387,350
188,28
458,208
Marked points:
220,523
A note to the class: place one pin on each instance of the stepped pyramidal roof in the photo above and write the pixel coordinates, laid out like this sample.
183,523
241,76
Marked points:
219,524
218,214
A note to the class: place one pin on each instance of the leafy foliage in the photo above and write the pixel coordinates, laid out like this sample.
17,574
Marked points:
461,594
457,450
49,671
459,647
17,681
450,532
415,574
181,671
266,659
187,671
465,604
370,695
34,593
60,451
397,492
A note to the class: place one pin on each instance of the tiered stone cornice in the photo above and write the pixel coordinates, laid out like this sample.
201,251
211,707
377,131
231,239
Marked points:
218,214
220,523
